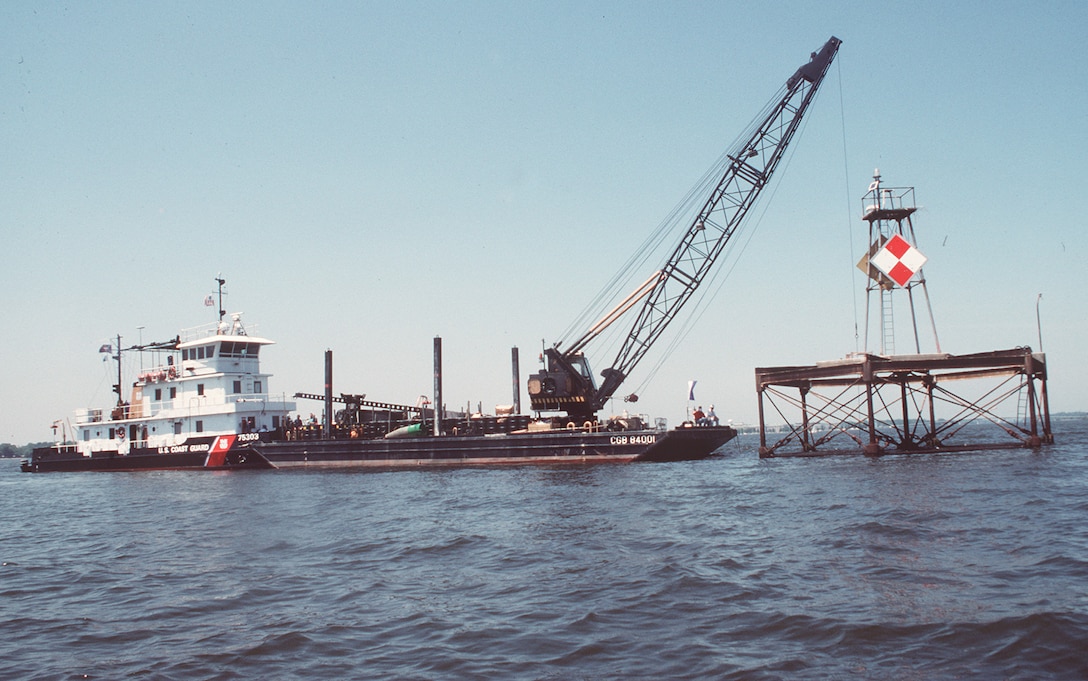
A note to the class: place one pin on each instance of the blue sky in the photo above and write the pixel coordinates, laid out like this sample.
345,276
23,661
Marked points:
369,175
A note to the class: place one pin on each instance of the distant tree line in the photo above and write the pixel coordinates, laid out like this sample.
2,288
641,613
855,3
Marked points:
10,451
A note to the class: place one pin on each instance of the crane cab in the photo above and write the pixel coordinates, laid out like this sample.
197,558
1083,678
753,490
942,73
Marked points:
566,385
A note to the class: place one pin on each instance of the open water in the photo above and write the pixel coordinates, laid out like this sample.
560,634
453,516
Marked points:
956,566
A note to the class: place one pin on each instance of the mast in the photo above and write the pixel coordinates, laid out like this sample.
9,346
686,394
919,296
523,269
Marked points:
220,280
117,386
171,344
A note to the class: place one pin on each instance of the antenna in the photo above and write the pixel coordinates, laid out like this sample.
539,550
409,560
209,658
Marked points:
1038,321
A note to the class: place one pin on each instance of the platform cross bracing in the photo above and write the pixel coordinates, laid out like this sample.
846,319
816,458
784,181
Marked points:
907,404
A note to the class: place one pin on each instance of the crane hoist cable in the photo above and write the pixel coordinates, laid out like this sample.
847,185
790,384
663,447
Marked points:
568,384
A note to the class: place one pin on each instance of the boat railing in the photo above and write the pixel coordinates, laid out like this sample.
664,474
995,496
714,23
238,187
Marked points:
274,403
247,397
87,415
213,329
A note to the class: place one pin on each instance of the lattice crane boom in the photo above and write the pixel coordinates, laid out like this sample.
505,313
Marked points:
568,385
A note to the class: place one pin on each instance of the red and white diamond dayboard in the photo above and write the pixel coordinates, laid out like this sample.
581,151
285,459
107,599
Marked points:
899,260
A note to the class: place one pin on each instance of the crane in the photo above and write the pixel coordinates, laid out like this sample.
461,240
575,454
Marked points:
567,383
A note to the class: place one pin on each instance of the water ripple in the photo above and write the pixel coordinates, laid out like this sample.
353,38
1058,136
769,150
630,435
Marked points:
734,568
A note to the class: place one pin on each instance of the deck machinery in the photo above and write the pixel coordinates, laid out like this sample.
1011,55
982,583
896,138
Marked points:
567,384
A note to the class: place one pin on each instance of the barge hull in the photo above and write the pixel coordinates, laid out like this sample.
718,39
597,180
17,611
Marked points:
500,449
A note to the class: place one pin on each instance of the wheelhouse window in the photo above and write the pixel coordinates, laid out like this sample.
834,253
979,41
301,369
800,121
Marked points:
199,352
239,349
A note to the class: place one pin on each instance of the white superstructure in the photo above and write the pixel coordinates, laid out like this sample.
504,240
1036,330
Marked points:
210,384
